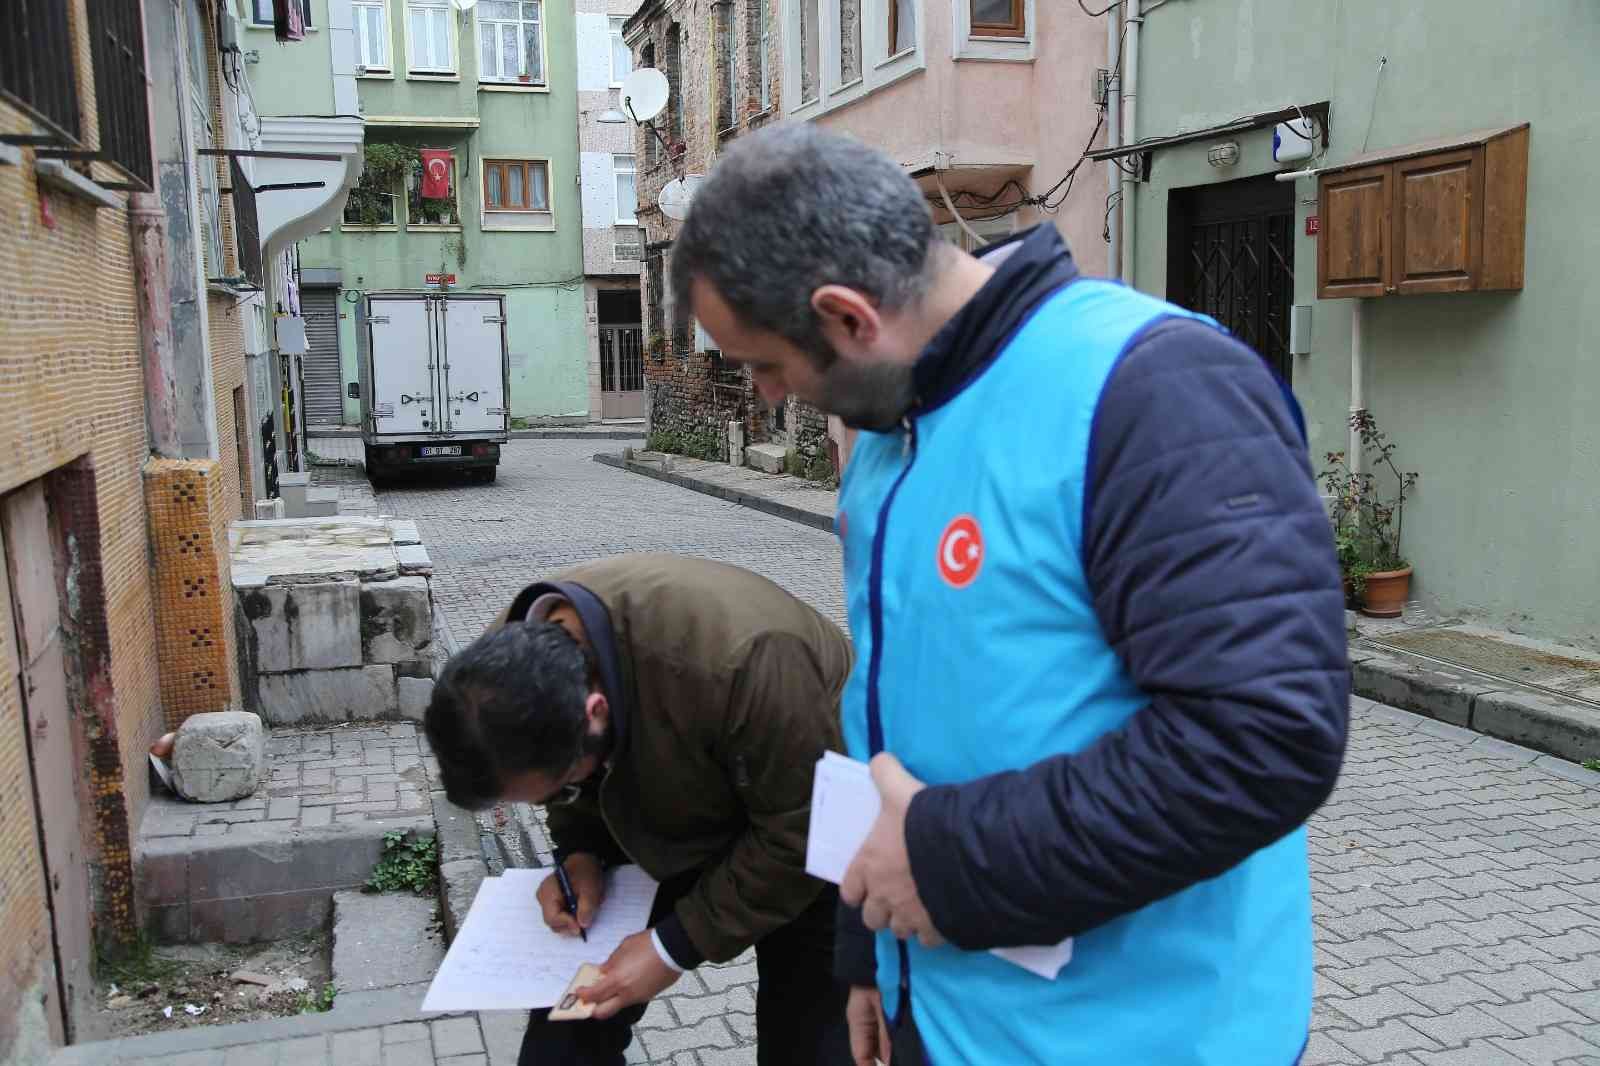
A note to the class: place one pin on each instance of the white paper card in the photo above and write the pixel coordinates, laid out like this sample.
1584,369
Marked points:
505,958
844,804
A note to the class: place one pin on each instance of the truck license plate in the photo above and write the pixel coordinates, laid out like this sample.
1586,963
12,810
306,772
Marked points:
440,449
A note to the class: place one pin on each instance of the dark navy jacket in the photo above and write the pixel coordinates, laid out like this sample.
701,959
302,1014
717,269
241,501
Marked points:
1107,503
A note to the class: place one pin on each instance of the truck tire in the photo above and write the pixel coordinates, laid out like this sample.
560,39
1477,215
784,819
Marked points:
374,477
486,476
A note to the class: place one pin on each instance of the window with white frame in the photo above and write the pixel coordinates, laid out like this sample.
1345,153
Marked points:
849,24
902,26
428,31
621,58
998,18
627,196
516,186
371,19
510,42
261,14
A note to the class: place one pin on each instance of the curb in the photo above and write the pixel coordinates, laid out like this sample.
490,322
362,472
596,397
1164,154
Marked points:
1483,705
577,434
743,499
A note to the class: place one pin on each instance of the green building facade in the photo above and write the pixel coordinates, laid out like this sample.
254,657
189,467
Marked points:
1492,397
495,86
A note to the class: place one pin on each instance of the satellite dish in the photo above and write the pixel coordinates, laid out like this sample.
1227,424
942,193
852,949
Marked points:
675,196
464,6
644,94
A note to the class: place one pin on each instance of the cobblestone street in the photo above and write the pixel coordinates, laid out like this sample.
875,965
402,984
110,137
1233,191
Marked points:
1457,880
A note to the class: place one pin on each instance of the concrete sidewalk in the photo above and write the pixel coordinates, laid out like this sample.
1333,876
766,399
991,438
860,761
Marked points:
781,495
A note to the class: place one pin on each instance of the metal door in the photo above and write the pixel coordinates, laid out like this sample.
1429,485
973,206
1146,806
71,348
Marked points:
401,350
52,761
324,388
473,363
1232,247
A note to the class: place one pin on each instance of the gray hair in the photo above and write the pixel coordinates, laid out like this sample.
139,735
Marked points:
795,207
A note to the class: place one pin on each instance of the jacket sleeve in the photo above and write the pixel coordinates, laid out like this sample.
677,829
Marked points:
1211,566
782,716
855,949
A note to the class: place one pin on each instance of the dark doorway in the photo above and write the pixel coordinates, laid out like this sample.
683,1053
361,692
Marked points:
1230,255
621,353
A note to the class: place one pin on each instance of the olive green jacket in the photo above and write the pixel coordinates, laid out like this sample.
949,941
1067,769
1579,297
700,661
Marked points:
724,691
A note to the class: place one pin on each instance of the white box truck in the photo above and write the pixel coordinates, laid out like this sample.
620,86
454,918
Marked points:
434,377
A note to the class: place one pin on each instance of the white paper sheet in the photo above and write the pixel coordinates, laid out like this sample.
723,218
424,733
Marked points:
844,804
506,958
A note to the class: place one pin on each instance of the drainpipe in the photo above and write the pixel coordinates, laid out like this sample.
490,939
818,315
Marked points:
1130,134
147,224
1357,372
1113,133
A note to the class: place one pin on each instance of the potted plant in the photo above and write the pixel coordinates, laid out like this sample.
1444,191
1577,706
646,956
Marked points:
1368,521
657,346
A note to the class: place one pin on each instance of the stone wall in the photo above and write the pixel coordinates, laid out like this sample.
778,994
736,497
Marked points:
335,618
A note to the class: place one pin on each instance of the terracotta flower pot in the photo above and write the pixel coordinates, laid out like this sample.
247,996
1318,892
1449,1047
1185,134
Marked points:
1387,592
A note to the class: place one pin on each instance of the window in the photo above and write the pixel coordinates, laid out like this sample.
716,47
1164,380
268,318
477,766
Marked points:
675,77
621,58
510,43
627,191
647,57
370,204
726,117
430,212
998,18
763,46
372,35
902,26
810,50
428,37
121,99
262,15
849,41
202,134
516,185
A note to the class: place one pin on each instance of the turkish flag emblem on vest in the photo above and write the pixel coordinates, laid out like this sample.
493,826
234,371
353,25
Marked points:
435,174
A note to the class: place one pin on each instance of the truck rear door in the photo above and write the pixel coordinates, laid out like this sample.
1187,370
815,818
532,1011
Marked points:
403,395
474,364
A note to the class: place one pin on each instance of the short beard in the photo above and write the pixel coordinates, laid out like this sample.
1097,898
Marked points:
869,396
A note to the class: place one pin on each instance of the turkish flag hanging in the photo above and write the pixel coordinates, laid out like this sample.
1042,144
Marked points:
435,174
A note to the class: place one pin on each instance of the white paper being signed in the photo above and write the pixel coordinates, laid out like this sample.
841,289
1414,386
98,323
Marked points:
844,804
506,958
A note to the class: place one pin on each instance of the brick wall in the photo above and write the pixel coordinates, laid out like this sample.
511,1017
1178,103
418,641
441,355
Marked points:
71,391
687,391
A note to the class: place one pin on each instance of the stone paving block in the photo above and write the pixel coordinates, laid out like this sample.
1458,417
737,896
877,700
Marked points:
314,626
1463,1024
419,1053
465,1060
711,1033
502,1035
305,1051
1322,1051
693,1009
405,1033
739,1056
1477,1053
456,1036
1534,1014
1550,1046
721,978
1374,1007
1379,1042
414,694
358,1047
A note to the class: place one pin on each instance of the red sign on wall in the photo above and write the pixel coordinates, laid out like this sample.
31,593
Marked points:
1313,225
438,279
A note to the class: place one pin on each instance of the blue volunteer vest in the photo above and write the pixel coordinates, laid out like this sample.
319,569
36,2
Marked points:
979,651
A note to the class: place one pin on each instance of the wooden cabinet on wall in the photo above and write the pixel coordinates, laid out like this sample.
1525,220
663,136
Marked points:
1441,216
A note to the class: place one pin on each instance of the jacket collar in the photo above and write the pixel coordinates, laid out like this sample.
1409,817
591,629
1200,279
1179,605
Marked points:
602,640
1028,268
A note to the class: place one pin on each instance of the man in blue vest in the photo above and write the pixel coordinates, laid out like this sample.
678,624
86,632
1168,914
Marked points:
1101,668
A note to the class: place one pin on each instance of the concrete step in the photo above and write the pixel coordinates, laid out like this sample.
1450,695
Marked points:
384,940
768,458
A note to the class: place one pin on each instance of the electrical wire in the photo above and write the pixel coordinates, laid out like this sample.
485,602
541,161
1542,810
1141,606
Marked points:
1377,85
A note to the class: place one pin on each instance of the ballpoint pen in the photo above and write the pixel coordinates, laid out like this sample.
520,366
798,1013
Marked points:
571,898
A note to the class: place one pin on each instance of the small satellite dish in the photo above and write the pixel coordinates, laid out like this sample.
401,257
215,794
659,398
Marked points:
644,94
464,6
675,196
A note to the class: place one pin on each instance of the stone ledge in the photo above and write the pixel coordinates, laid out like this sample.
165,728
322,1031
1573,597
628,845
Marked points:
1564,728
776,508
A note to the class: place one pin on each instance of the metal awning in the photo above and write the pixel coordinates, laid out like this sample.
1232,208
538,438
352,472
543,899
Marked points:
1318,111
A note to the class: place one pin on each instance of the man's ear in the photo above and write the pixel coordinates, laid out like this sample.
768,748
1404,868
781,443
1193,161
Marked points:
850,320
597,711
